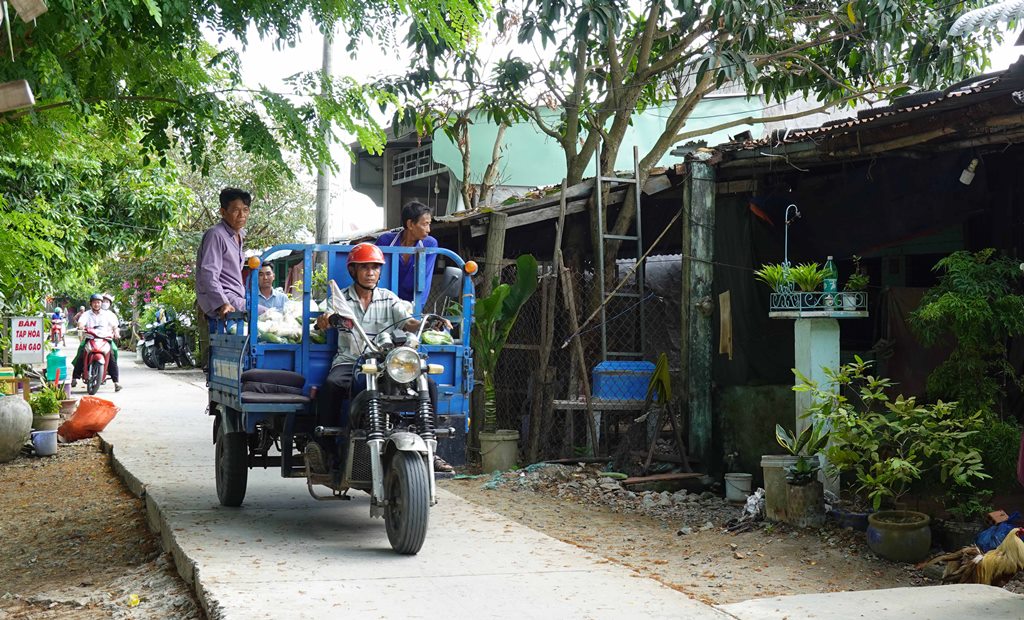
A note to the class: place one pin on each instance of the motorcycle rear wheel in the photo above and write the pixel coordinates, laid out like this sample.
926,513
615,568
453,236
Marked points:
232,463
408,491
92,383
158,356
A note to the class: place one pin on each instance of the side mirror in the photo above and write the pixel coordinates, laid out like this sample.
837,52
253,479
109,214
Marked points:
452,283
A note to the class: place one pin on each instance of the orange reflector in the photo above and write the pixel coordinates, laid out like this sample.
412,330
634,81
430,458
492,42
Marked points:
471,267
253,262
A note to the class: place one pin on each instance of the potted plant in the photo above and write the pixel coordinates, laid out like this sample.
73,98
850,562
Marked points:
808,276
792,491
493,319
967,508
46,408
888,445
856,283
775,275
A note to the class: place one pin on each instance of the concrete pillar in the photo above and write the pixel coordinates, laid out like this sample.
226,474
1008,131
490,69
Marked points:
817,347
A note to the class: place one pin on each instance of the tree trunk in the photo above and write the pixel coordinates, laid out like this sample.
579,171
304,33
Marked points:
491,173
467,183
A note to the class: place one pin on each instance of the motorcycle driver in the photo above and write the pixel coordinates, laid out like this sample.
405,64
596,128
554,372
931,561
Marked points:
375,308
57,322
104,323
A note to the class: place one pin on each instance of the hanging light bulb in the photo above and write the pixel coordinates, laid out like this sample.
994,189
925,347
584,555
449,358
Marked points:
967,176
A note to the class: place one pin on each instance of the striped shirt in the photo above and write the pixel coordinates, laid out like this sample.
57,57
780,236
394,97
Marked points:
385,311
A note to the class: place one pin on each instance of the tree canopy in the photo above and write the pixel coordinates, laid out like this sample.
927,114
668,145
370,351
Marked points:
132,94
149,64
599,62
282,212
60,214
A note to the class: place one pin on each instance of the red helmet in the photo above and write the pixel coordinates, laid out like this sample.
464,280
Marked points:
365,253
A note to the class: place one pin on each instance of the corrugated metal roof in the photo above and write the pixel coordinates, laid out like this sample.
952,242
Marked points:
890,114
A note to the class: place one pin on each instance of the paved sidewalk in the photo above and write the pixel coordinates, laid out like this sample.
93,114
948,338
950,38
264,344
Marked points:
284,554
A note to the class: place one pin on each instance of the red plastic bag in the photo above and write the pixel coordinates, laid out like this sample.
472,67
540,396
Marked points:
92,416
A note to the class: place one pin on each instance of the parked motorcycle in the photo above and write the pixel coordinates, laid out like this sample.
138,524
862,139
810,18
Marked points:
166,342
97,359
144,349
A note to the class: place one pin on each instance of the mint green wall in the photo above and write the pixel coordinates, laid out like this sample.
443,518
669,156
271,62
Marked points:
533,158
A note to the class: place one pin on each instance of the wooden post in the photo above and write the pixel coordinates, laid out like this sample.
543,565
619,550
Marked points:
541,400
699,227
495,251
538,421
569,295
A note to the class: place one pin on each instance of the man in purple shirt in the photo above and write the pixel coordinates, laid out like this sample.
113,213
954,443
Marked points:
415,232
219,285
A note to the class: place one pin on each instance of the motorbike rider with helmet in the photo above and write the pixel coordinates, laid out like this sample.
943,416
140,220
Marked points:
104,323
376,309
57,325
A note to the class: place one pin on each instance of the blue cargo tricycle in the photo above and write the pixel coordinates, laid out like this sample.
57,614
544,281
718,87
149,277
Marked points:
262,392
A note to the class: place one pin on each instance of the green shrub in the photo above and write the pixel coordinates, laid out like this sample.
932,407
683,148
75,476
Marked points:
891,445
999,445
975,307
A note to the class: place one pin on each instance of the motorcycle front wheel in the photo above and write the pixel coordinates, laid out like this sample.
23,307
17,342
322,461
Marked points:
92,383
408,491
147,356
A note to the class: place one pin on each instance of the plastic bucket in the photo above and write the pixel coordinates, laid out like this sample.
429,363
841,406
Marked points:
44,442
737,487
498,450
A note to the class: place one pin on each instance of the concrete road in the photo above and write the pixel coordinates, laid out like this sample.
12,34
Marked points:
283,554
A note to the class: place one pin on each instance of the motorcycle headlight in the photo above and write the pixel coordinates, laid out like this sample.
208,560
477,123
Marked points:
403,365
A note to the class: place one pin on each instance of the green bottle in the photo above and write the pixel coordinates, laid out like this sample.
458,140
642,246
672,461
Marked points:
831,283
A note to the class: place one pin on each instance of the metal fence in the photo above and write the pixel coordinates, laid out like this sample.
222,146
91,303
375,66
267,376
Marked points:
552,362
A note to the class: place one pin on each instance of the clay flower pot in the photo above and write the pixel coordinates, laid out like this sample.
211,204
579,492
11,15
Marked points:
67,407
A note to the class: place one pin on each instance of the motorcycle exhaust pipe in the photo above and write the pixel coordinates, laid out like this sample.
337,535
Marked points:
328,431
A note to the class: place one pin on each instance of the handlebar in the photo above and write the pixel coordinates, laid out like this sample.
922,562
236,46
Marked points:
92,332
336,321
423,324
339,321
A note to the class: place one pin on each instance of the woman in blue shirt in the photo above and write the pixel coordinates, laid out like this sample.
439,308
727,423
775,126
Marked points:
415,232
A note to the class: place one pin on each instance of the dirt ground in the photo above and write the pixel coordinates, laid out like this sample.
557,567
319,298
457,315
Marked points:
74,544
678,539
